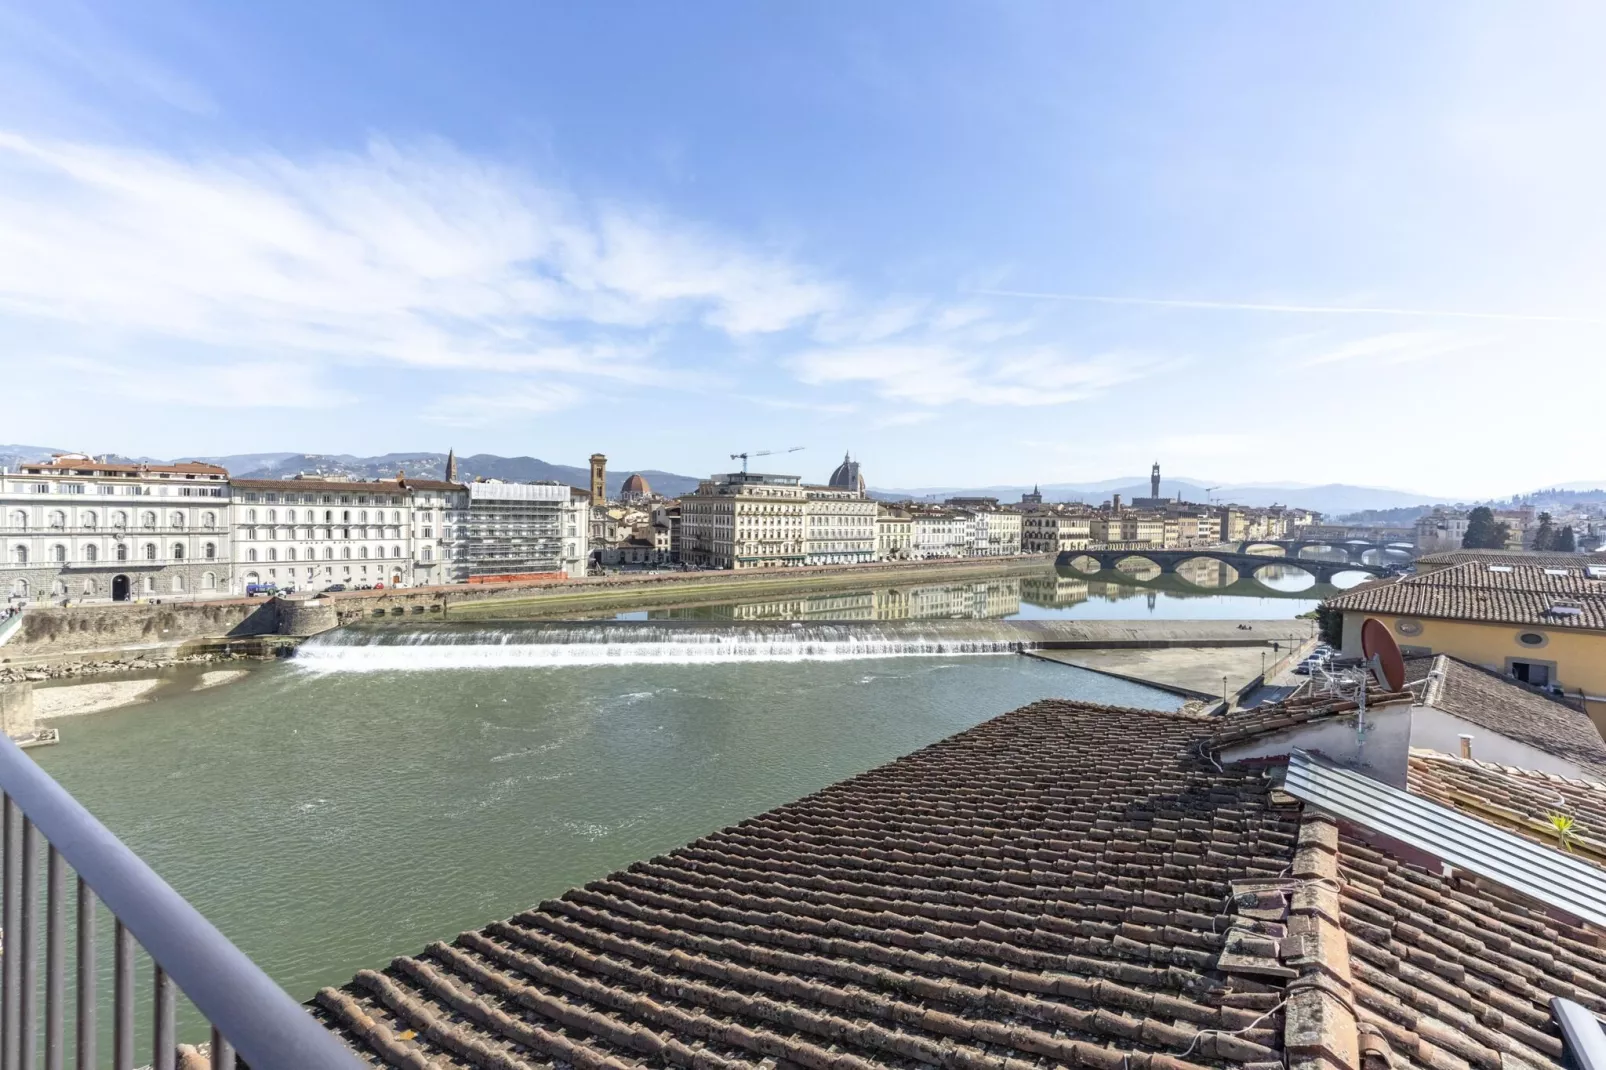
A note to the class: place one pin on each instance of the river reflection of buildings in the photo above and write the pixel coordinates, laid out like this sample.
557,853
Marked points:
994,598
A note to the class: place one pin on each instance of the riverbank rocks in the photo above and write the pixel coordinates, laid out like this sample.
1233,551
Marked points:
139,662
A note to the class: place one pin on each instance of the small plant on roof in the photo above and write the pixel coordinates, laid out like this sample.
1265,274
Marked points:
1564,830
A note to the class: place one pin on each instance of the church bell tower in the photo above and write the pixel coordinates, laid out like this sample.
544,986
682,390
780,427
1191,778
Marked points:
599,479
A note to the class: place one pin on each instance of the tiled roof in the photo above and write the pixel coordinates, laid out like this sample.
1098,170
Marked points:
1454,972
1065,885
1301,708
1052,887
1470,591
1540,558
1491,701
321,486
1521,800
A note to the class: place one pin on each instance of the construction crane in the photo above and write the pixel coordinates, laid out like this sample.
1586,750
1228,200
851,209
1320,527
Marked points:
1209,499
761,453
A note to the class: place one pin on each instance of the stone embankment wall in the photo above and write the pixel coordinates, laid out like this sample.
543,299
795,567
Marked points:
53,630
16,710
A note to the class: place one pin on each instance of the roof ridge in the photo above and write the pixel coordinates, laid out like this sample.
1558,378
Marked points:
1511,770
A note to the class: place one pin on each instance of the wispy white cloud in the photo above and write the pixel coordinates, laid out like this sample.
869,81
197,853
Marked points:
286,385
905,419
517,401
1249,306
1398,347
414,254
938,374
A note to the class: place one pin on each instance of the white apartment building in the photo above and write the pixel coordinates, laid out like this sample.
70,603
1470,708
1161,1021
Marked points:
437,506
894,534
839,526
310,532
941,535
86,529
995,533
1052,533
744,520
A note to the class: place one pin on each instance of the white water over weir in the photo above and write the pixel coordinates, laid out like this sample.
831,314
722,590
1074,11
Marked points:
384,648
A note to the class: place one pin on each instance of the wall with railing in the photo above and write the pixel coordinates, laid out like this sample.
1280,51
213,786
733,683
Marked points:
58,868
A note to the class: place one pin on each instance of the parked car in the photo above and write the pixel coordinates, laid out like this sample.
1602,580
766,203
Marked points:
379,586
334,588
253,589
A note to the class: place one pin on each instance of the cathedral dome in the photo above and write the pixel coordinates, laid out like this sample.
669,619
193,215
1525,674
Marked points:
636,486
847,475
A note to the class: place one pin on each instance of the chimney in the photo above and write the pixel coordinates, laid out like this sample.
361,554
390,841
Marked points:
1466,746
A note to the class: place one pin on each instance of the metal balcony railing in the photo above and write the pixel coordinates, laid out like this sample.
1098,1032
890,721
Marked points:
249,1014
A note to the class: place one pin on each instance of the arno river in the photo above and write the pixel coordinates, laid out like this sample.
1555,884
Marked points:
328,819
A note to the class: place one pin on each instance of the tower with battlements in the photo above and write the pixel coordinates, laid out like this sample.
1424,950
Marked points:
1154,481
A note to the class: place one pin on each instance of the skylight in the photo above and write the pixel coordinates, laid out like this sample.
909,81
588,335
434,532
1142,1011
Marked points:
1558,572
1499,568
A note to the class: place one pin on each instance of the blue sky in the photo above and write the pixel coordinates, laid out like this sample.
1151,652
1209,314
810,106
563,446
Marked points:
971,242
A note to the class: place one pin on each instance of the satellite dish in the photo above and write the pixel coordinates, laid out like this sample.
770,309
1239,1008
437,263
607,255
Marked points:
1383,654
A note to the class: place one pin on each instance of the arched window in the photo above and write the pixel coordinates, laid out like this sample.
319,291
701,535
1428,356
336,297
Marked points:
289,553
89,588
250,516
91,553
19,555
178,551
122,552
290,516
177,520
209,581
119,519
273,516
328,553
363,553
251,554
395,516
90,520
362,517
210,550
150,551
149,520
58,553
19,520
273,553
328,516
19,588
345,516
395,551
252,577
58,519
178,584
345,552
209,520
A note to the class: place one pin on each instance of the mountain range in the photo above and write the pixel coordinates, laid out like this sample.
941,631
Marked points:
1333,499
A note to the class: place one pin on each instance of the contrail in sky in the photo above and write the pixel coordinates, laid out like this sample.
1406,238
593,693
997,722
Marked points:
1244,306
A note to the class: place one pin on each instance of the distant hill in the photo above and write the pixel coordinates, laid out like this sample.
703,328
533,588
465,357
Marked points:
433,466
1331,498
13,455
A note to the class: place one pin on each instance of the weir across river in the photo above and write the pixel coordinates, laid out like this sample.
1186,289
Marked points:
449,645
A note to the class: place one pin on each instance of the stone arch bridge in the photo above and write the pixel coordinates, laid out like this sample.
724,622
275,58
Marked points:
1353,548
1245,564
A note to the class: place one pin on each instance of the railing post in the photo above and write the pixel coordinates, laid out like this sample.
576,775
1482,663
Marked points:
123,1000
55,964
11,964
28,1048
163,1050
86,1037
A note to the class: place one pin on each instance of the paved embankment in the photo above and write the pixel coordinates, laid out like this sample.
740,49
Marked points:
1199,668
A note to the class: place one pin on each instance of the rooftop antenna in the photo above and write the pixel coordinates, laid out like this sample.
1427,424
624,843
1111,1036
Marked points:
761,453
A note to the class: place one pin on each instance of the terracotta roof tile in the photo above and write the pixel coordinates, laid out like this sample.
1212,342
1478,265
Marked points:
1471,591
1521,800
1051,887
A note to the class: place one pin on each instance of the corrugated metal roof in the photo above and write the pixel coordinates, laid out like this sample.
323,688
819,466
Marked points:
1550,876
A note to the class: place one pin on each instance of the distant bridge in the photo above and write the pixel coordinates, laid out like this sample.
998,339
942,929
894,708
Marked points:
1353,548
1244,564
